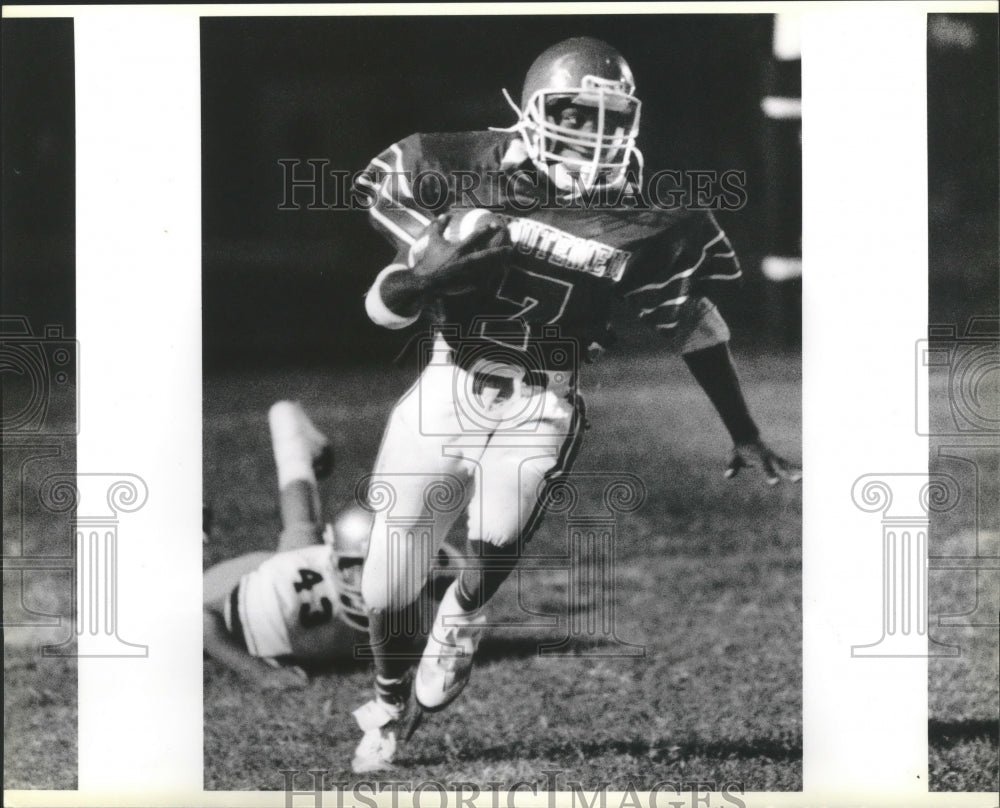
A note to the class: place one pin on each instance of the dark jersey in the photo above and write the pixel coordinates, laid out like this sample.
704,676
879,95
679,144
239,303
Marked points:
571,259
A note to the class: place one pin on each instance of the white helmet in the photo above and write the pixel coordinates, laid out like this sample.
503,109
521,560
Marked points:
348,538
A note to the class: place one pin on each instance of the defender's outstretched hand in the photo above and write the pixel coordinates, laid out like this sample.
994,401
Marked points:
748,454
286,678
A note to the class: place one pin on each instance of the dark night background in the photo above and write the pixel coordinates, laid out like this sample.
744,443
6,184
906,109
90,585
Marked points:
282,285
287,285
38,207
962,161
38,284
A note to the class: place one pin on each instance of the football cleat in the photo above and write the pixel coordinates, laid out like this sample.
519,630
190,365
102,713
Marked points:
446,664
379,721
413,723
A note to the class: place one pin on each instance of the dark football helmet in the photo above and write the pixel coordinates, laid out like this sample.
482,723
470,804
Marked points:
595,144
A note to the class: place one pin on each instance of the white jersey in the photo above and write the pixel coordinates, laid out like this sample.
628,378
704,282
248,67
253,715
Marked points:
289,606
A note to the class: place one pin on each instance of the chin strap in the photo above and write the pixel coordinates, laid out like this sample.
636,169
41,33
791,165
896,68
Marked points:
513,105
517,126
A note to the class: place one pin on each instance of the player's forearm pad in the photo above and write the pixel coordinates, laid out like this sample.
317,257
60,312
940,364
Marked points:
378,312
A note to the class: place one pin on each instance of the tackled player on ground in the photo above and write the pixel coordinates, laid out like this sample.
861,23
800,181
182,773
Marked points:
271,616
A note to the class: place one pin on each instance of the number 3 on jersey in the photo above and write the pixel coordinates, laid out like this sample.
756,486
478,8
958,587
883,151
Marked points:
537,299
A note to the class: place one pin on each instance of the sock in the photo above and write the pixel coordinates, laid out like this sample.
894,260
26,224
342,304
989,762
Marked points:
394,635
297,489
713,369
393,691
290,440
299,502
489,566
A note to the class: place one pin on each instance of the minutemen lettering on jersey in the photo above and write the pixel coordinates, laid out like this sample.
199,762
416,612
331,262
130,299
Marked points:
572,259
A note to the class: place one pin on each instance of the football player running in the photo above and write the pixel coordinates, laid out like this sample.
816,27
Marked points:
516,300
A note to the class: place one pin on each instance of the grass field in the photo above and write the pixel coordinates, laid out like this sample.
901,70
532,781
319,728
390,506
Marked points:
40,718
964,692
707,583
40,693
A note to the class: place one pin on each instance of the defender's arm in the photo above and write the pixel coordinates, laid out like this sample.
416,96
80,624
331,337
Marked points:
221,646
706,353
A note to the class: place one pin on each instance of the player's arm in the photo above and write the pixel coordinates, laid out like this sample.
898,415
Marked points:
443,267
714,370
705,350
217,585
668,294
221,646
386,186
395,298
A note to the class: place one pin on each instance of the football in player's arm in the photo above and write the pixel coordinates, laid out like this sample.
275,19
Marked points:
545,265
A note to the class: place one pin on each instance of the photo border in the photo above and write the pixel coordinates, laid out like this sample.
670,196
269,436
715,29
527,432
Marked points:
139,238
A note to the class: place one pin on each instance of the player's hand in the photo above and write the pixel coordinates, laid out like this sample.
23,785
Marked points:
747,454
290,677
450,267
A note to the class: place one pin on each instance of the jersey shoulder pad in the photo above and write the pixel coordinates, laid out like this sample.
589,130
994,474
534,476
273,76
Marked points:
463,151
688,256
663,220
387,186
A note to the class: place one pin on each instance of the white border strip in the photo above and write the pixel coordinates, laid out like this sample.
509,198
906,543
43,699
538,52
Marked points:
865,306
461,9
138,239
